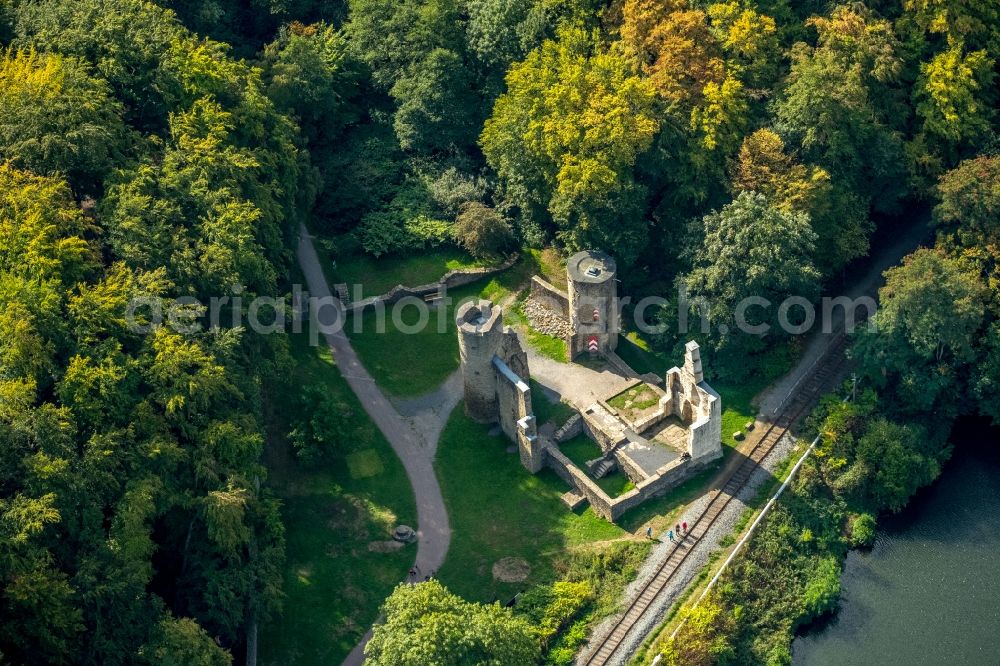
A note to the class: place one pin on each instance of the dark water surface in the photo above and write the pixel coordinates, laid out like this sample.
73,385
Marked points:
929,590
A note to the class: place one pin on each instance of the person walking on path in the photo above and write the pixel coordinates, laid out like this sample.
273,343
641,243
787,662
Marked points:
685,527
649,532
670,535
677,528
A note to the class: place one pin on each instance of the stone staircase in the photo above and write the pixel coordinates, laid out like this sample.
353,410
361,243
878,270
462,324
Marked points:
341,291
604,467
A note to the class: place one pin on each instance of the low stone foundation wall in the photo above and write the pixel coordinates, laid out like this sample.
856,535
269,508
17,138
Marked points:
572,428
629,466
464,276
666,479
455,278
549,296
618,363
601,426
577,478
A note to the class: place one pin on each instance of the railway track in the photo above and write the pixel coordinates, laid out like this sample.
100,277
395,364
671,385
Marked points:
826,368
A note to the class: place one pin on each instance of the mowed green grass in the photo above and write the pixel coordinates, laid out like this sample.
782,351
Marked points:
497,509
331,511
377,276
406,359
580,449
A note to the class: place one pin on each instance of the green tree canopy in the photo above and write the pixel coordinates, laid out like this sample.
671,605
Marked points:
841,106
564,140
124,40
931,312
426,624
56,118
839,217
750,250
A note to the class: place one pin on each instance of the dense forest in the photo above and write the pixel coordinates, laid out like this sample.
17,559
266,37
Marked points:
171,149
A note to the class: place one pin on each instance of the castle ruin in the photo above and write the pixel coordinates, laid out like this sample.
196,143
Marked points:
593,303
495,377
658,437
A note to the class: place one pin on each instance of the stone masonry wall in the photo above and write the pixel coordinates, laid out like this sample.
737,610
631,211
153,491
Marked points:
577,478
455,278
549,296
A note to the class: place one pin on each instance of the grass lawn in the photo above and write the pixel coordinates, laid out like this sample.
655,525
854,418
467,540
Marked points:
408,364
551,266
635,399
497,510
580,449
546,345
377,276
637,353
332,510
545,410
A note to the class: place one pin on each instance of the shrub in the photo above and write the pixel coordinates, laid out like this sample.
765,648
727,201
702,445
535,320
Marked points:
482,231
407,223
863,531
320,424
552,607
453,188
823,588
703,639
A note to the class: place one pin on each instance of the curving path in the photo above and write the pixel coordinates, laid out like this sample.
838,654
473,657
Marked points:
413,438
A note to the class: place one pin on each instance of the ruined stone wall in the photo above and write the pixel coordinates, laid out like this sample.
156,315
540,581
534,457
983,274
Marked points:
464,276
514,403
572,428
531,446
602,427
479,337
455,278
577,478
629,467
589,291
618,363
697,404
549,296
706,432
514,392
666,479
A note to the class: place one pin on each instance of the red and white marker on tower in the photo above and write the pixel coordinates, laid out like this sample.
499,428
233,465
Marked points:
593,345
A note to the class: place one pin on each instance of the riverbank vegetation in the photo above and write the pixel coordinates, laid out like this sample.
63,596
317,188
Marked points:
923,365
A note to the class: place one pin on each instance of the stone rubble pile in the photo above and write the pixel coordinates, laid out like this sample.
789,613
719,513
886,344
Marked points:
544,320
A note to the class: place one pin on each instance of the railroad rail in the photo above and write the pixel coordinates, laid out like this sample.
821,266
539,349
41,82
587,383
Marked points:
827,368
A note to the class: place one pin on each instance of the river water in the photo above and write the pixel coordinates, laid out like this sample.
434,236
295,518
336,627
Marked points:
928,592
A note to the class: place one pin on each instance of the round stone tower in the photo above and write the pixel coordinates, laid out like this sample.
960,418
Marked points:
593,302
480,328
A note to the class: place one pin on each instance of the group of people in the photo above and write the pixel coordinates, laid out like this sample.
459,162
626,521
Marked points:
680,529
415,575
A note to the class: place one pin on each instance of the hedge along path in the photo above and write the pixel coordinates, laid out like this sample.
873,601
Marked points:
415,452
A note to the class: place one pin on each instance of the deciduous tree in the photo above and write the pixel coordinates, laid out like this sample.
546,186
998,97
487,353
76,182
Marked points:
427,624
565,137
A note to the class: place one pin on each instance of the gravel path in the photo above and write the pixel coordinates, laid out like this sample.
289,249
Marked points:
577,384
409,437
